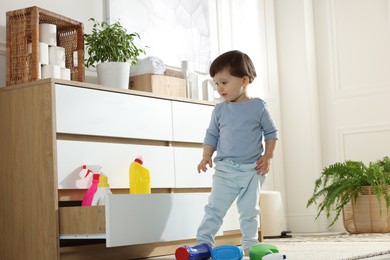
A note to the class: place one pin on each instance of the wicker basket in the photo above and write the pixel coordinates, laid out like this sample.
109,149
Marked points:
365,216
23,28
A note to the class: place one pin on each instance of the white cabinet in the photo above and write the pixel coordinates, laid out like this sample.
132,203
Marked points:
103,113
190,121
139,219
115,160
158,218
186,174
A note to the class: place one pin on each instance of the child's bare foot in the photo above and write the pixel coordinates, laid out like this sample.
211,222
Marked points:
246,252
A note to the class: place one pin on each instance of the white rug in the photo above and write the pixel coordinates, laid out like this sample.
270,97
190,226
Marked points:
333,247
327,246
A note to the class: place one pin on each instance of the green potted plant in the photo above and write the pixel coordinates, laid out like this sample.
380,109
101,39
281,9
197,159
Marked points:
346,183
112,50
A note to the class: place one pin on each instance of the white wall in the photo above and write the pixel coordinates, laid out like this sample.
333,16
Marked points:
334,85
353,56
299,108
77,10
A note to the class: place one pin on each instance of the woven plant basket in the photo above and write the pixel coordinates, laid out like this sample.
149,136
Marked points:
365,216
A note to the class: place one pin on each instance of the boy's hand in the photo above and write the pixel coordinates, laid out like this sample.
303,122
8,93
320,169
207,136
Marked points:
202,166
263,164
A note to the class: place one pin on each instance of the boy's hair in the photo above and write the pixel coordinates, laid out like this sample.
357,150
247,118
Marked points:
238,63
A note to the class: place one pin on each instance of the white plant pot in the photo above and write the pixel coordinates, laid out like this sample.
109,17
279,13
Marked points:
114,74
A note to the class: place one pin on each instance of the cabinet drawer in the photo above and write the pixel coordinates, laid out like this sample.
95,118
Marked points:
137,219
190,121
104,113
186,174
82,221
114,160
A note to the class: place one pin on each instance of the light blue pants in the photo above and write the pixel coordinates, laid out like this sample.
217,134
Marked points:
232,180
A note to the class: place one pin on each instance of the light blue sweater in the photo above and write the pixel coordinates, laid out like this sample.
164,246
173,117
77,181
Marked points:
237,130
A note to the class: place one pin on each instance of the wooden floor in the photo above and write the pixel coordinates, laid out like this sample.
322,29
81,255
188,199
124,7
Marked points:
144,251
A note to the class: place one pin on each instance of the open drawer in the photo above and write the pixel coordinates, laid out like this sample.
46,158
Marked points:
136,219
82,222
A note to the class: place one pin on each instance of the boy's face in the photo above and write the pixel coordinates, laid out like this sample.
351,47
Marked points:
231,88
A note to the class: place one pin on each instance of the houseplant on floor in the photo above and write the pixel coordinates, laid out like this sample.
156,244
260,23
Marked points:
112,50
350,188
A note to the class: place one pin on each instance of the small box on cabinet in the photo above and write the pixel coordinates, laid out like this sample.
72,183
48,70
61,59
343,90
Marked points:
159,84
22,28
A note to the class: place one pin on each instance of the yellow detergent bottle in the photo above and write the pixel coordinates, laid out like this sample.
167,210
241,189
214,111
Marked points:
139,178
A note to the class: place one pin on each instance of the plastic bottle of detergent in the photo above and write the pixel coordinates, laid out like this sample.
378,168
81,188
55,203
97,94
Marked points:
260,250
139,177
197,252
275,256
88,197
225,252
102,190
